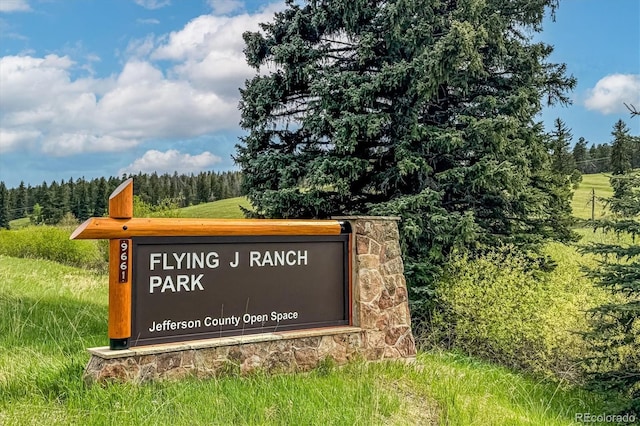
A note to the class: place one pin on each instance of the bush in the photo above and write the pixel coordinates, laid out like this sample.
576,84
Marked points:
500,308
51,243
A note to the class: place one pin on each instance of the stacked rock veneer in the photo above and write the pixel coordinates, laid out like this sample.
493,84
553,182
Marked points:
381,327
380,290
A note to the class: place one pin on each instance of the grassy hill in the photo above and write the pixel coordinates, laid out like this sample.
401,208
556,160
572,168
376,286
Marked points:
581,203
223,209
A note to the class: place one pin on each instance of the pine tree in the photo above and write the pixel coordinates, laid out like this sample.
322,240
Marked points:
101,198
602,157
425,110
51,207
81,203
4,206
22,201
616,326
203,188
621,149
581,157
562,161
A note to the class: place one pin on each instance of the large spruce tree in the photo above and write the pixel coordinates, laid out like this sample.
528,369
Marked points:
423,109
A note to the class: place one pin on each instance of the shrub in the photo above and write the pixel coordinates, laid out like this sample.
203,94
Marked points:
51,243
500,308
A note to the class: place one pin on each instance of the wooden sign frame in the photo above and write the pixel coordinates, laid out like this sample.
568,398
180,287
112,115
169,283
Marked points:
120,227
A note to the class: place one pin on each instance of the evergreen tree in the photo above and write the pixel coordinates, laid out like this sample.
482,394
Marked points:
216,186
581,157
420,109
562,161
203,188
22,201
621,149
51,211
40,193
81,204
63,198
635,147
600,156
101,199
4,206
616,326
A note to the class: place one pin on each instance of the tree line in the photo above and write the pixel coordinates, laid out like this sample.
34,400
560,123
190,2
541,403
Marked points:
621,155
49,203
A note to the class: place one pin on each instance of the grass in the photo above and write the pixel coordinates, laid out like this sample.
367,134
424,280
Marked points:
224,209
49,314
19,223
581,203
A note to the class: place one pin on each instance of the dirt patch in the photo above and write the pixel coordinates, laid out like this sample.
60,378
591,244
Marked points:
416,407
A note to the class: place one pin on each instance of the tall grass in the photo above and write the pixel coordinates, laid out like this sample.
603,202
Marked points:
52,243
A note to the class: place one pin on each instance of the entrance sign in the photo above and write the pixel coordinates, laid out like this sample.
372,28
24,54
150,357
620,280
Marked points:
185,279
205,287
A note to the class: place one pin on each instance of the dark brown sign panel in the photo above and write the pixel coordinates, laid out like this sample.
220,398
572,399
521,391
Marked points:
188,288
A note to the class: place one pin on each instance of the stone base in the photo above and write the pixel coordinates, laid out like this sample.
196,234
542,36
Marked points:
290,351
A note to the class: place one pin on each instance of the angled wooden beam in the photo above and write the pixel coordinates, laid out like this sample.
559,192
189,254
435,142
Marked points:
107,228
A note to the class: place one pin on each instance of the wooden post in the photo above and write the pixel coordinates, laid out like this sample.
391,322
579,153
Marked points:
120,207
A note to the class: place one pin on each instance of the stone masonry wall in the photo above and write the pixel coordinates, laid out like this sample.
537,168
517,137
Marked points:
380,292
381,327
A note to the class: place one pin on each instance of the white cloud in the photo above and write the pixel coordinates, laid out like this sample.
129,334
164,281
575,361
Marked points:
141,48
65,116
148,21
171,161
74,143
153,4
11,140
223,7
46,107
14,6
208,51
611,93
144,104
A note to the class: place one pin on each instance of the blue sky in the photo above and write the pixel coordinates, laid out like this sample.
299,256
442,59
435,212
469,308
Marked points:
105,87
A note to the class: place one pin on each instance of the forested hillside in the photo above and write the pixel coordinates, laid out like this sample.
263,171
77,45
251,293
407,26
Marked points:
49,203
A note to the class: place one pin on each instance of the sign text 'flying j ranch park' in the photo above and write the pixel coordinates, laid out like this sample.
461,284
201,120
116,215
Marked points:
176,279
